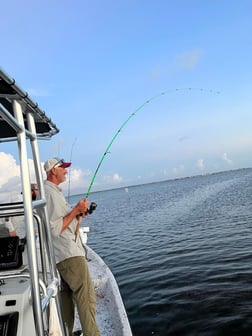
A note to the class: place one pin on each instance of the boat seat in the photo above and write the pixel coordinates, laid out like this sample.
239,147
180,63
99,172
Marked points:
9,324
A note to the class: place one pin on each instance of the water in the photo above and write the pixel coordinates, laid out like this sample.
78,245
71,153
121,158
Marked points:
181,252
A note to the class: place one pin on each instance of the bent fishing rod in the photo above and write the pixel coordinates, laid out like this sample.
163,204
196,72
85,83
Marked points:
126,122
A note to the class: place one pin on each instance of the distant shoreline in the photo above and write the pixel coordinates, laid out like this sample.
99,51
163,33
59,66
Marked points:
166,180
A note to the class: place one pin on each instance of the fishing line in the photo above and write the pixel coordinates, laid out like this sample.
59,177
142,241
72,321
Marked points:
128,119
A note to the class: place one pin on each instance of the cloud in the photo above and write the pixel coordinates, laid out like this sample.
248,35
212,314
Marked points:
187,60
10,181
113,178
77,178
200,164
8,168
178,170
226,159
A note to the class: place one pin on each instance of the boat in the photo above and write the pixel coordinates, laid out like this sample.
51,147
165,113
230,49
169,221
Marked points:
30,302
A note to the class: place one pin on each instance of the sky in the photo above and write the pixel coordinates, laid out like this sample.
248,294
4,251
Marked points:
181,70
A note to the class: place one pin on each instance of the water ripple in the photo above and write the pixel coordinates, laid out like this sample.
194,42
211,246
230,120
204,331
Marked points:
181,253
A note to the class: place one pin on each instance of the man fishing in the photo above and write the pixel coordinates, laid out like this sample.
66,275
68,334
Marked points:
69,253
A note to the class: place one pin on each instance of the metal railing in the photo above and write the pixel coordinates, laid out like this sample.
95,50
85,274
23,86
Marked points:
22,120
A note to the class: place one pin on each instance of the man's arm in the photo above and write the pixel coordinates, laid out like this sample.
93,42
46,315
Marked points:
79,210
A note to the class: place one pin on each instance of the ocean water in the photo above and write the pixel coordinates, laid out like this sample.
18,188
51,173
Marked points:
181,252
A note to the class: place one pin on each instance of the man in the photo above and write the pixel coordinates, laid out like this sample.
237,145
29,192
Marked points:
34,191
12,223
69,253
7,228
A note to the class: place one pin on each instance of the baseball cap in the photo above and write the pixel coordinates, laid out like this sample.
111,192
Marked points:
54,163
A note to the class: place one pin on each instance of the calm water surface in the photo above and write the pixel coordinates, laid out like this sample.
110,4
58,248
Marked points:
181,252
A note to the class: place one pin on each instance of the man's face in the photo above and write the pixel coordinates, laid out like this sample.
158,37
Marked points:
60,174
35,189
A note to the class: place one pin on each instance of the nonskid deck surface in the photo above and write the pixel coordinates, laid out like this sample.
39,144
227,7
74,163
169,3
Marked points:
110,312
104,316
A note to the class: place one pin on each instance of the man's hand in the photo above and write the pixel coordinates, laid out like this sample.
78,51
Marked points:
82,207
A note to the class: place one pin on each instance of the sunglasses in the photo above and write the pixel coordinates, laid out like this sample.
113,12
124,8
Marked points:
59,163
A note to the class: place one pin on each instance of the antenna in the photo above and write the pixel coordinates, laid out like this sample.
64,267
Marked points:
69,172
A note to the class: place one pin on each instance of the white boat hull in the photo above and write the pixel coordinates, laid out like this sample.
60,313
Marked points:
111,314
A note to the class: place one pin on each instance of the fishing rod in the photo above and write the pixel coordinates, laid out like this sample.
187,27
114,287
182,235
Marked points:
128,119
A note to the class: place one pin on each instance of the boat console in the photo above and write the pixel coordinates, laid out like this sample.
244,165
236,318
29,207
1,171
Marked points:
11,253
15,289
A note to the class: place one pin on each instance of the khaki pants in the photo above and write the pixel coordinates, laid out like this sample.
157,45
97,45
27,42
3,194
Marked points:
77,288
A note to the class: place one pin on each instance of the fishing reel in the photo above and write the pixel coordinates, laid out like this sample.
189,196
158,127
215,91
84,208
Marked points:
91,208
